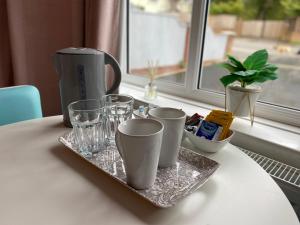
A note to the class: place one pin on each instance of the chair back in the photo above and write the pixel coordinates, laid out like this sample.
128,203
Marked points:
19,103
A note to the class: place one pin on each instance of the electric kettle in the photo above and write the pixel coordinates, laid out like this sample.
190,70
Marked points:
82,75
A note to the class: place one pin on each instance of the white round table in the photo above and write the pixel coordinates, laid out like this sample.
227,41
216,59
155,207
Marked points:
43,183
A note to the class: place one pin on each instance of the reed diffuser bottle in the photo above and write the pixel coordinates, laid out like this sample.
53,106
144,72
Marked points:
151,88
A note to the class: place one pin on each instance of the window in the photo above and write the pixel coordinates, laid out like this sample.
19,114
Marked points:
159,36
241,35
187,40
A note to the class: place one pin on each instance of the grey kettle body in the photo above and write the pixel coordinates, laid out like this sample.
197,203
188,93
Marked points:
82,75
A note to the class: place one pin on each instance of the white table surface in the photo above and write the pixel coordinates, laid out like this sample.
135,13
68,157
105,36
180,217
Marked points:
44,183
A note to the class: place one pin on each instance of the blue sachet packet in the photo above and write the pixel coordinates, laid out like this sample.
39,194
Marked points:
207,130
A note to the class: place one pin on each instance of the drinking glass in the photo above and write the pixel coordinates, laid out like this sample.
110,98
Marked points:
118,109
88,120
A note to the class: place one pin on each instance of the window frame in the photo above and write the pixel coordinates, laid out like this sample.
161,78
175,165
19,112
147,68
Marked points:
189,89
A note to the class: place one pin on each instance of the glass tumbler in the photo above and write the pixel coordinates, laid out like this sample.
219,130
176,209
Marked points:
118,109
88,120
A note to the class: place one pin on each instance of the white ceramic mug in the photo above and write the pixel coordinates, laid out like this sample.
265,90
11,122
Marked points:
139,142
173,121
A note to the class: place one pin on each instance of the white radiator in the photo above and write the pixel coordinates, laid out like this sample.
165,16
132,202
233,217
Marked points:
287,177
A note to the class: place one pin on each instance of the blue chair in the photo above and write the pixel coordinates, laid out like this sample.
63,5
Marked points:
19,103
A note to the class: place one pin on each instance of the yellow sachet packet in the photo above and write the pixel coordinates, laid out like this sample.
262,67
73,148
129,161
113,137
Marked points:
221,113
222,118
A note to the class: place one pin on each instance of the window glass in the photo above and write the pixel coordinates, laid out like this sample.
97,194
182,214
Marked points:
240,27
158,36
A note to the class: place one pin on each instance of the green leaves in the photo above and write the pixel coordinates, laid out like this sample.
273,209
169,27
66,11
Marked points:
229,79
257,60
229,67
264,76
236,63
254,69
245,73
270,67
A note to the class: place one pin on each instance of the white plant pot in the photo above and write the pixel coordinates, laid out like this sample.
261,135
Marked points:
241,101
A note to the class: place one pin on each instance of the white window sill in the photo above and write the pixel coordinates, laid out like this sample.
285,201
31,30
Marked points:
276,140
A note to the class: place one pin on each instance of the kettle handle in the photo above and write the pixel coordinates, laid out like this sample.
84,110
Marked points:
109,59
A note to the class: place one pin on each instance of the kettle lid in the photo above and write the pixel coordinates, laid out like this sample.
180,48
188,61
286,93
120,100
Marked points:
79,51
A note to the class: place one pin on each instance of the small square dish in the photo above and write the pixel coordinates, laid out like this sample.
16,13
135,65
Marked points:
208,145
172,184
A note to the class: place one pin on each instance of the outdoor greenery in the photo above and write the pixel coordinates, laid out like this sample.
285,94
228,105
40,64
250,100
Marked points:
257,9
255,68
235,7
292,7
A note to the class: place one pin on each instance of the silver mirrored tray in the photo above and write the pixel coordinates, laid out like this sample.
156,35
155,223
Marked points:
172,184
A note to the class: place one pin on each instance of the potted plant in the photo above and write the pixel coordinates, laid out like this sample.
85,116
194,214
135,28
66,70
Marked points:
241,86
